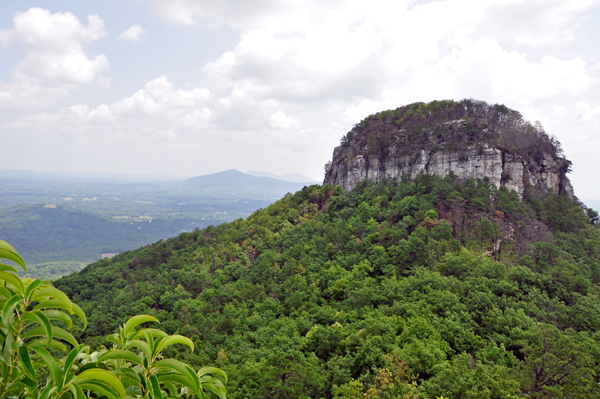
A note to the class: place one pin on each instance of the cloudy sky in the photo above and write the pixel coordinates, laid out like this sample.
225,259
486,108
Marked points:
189,87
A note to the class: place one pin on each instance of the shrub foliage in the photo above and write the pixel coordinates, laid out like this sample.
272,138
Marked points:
40,359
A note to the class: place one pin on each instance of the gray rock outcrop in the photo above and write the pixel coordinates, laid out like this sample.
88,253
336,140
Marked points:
352,163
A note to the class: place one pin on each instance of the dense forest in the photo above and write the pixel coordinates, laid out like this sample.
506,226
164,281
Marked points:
415,289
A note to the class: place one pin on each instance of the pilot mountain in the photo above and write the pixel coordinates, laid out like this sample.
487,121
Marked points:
469,138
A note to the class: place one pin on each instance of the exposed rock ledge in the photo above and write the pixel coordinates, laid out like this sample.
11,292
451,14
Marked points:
501,168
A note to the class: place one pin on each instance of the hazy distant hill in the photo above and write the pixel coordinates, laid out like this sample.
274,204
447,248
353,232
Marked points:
18,174
86,217
235,178
293,177
49,233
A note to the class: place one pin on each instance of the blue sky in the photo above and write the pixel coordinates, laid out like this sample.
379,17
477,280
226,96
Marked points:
189,87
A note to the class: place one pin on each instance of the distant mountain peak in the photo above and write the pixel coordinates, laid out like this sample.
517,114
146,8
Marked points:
291,177
234,178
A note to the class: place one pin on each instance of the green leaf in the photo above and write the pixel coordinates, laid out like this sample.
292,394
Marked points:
194,377
76,391
121,355
15,388
50,303
79,312
6,293
212,370
136,321
58,315
133,392
31,384
153,344
130,374
7,311
143,346
69,375
178,378
155,387
143,381
152,331
7,268
56,331
47,392
213,380
32,287
54,303
149,339
8,252
171,388
70,359
40,319
7,352
114,338
12,279
183,369
43,343
214,389
92,366
104,376
56,294
55,371
26,362
101,388
174,339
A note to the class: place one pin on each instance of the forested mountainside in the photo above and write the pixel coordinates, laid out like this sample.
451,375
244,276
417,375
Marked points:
416,289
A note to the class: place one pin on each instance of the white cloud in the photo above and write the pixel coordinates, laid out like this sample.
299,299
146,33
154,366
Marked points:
55,61
337,63
533,22
37,27
154,108
302,73
190,12
280,120
133,33
159,100
391,54
78,115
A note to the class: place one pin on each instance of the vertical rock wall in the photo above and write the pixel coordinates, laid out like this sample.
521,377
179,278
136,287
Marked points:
502,169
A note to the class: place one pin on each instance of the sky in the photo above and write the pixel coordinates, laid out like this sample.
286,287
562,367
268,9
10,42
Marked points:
190,87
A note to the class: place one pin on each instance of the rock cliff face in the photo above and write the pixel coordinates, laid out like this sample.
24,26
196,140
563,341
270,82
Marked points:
515,155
